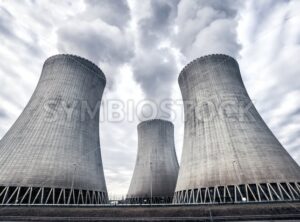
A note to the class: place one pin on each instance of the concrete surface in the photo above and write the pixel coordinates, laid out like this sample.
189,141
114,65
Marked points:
47,148
156,167
222,144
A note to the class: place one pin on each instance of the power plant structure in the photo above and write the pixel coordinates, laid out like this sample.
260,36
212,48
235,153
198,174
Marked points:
51,154
156,168
229,153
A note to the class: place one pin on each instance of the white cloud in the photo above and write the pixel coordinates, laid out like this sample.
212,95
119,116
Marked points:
269,35
207,27
115,13
95,40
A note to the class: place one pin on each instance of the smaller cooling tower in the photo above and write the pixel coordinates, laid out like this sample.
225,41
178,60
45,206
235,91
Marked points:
156,167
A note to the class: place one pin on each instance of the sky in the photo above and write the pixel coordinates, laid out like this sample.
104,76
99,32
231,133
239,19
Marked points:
141,46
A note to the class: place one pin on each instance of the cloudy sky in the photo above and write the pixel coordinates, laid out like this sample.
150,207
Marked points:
141,46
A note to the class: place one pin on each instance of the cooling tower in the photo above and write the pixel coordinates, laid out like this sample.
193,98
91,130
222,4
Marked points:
229,153
156,168
51,154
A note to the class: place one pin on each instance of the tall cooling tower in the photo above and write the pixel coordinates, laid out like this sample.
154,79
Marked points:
51,155
156,168
229,153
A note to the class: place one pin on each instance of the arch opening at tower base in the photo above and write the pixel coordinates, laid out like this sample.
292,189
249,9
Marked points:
260,192
13,195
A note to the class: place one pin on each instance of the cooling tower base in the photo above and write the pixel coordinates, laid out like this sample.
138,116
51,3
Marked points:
286,191
46,195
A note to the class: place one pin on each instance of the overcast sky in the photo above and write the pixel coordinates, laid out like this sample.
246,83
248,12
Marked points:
141,46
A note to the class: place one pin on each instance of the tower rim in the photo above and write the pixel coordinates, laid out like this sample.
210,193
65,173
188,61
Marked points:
83,61
216,55
154,120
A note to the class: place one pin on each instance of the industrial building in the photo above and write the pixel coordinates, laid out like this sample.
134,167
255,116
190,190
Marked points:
156,168
51,154
229,153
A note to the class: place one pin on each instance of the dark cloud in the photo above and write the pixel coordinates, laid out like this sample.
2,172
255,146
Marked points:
3,114
96,41
156,71
96,33
99,34
5,21
99,43
114,12
154,66
206,27
158,25
194,27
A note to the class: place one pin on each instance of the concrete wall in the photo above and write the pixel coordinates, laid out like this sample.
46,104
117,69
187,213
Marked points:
231,148
42,150
156,161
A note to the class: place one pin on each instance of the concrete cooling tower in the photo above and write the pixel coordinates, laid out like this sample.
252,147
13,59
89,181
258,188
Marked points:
51,155
156,167
229,153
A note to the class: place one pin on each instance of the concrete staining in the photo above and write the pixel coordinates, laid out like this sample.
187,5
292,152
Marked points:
156,166
228,155
48,156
